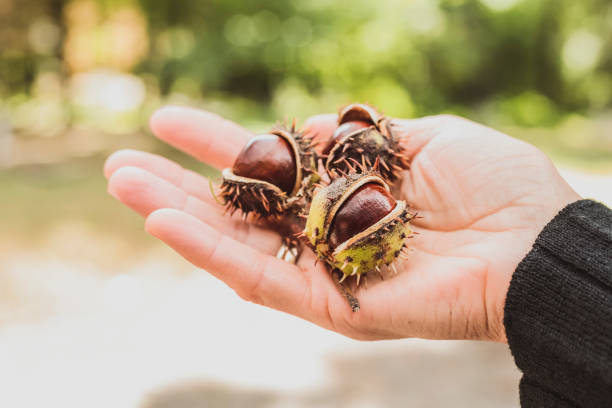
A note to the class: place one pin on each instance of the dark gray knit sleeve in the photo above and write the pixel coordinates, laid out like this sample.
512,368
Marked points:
558,312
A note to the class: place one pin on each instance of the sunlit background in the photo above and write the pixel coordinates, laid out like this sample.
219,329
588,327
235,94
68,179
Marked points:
94,313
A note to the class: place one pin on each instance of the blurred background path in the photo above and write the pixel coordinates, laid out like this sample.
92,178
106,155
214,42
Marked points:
83,324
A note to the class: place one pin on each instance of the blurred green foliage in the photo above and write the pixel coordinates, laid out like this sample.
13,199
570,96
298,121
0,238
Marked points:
528,63
410,57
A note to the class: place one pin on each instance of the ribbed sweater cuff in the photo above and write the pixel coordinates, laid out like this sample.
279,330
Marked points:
558,312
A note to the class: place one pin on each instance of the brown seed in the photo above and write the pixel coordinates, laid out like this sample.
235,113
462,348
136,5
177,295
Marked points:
365,207
343,130
268,158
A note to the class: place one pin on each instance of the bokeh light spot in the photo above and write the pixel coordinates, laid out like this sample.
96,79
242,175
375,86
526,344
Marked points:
425,17
500,5
240,30
43,36
581,51
108,90
175,43
297,31
267,25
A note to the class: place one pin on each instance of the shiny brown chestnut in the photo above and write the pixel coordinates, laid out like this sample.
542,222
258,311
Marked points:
343,130
366,206
269,158
273,175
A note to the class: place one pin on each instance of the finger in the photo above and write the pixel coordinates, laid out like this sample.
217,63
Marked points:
204,135
187,180
320,128
144,193
253,275
147,161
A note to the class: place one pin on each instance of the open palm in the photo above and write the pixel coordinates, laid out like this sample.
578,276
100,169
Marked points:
483,197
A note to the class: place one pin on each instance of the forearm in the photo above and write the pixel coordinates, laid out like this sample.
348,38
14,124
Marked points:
558,312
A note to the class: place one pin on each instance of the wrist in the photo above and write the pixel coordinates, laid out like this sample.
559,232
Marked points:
565,199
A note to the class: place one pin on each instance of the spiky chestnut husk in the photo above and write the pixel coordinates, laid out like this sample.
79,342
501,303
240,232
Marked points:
360,146
266,199
368,250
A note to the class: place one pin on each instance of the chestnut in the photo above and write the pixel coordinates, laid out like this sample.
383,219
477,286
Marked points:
273,175
365,207
364,137
268,158
344,130
356,226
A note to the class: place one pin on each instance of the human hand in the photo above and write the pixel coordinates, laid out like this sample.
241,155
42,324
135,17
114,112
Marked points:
483,197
